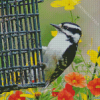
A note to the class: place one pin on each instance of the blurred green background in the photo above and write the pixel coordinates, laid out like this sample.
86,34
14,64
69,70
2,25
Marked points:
49,15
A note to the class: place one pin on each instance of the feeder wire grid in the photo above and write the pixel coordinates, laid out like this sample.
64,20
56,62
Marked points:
21,61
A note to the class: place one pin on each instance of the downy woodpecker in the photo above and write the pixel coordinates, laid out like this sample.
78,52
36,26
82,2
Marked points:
61,50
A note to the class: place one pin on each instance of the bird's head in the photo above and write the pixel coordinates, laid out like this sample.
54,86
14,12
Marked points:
71,30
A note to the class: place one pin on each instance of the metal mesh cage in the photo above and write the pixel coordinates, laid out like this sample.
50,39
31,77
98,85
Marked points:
20,45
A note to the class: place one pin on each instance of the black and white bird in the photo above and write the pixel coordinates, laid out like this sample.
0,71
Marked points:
61,50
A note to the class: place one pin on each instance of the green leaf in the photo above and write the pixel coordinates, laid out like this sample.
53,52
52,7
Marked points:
80,97
46,96
78,17
83,90
78,59
59,79
78,53
82,65
80,50
54,84
76,97
58,88
31,99
76,89
88,65
90,95
76,67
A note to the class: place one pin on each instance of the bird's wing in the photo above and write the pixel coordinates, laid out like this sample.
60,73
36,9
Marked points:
63,63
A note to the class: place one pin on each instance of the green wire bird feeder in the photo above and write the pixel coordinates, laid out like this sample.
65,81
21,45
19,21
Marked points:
21,62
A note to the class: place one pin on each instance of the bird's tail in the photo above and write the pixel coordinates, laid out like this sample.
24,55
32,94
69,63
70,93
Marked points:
47,84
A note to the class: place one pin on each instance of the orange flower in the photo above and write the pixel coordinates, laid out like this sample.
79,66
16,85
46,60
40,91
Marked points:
75,79
54,94
65,95
16,96
69,88
94,86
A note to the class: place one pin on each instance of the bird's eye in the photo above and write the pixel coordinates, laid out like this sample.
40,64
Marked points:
65,27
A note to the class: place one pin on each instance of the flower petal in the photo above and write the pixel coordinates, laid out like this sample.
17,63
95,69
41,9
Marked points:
98,61
93,55
8,93
93,59
27,95
84,96
98,48
57,4
94,86
69,88
69,7
65,95
80,41
31,90
75,2
12,97
67,4
75,79
54,33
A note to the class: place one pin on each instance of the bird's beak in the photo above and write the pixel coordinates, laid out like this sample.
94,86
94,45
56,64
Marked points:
56,26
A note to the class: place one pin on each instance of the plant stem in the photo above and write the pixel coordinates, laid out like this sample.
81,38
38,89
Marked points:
84,62
96,64
82,58
71,15
73,67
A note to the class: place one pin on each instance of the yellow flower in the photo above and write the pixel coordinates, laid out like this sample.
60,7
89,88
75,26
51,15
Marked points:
80,41
27,95
4,95
67,4
32,95
95,76
54,33
98,61
84,96
94,56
